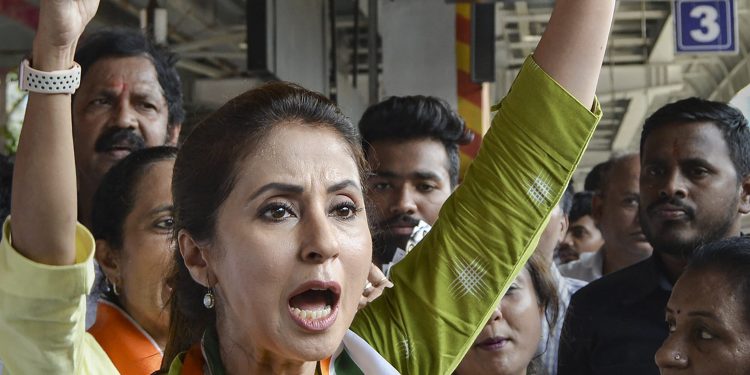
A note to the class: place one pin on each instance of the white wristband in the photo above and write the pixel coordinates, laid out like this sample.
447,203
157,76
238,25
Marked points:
57,82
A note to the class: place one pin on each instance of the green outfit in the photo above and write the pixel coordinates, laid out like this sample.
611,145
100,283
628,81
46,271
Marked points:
445,289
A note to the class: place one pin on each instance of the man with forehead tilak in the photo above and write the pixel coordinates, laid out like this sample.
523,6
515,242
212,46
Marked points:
130,98
694,188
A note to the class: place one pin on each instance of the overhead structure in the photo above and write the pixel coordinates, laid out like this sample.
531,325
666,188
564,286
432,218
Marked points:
641,71
473,103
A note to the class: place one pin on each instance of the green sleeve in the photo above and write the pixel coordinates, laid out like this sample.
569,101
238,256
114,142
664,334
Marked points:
446,288
43,311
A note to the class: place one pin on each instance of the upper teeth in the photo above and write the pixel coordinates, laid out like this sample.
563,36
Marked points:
312,315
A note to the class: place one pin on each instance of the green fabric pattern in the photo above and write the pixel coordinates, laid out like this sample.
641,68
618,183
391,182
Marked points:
446,288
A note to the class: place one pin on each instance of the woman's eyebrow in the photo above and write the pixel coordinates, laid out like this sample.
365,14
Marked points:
342,184
287,188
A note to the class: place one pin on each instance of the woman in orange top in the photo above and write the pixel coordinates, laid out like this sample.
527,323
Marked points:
132,223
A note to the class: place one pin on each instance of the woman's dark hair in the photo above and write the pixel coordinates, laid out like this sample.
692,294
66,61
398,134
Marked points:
6,181
548,300
545,287
731,258
115,197
122,42
205,174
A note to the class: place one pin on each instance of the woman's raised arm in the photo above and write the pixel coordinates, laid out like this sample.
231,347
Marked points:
448,286
572,48
44,198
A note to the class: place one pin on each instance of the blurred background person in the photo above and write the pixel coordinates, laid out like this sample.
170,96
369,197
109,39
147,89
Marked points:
582,236
615,211
508,343
593,178
6,176
691,193
549,242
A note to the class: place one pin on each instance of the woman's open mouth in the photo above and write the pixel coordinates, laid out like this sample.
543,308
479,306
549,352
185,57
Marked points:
314,305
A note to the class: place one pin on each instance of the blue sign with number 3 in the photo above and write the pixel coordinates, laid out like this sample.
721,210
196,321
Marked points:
705,26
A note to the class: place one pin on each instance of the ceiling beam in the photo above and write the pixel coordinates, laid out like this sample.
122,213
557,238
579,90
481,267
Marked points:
628,15
232,38
617,42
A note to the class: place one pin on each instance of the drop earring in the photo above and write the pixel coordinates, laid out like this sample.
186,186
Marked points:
209,299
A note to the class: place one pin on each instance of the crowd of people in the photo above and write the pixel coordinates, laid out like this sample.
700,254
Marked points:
280,237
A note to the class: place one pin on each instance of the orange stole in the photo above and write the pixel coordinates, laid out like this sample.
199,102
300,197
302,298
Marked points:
127,345
193,361
325,365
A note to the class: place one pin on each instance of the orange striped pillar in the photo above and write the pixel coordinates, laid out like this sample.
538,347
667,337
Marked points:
471,96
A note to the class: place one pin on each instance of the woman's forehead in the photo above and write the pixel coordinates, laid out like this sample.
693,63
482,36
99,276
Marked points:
157,173
301,153
707,290
524,276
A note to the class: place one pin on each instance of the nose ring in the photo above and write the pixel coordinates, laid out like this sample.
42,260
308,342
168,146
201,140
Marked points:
677,357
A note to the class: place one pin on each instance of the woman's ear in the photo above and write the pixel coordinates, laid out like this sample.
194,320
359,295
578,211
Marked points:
195,259
109,261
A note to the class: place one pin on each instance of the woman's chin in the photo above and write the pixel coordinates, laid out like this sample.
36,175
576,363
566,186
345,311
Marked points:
317,346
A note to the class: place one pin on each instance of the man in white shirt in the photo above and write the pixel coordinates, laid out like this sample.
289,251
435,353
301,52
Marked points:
615,210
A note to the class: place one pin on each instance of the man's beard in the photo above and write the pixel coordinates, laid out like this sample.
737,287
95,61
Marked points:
384,246
565,253
384,243
684,248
